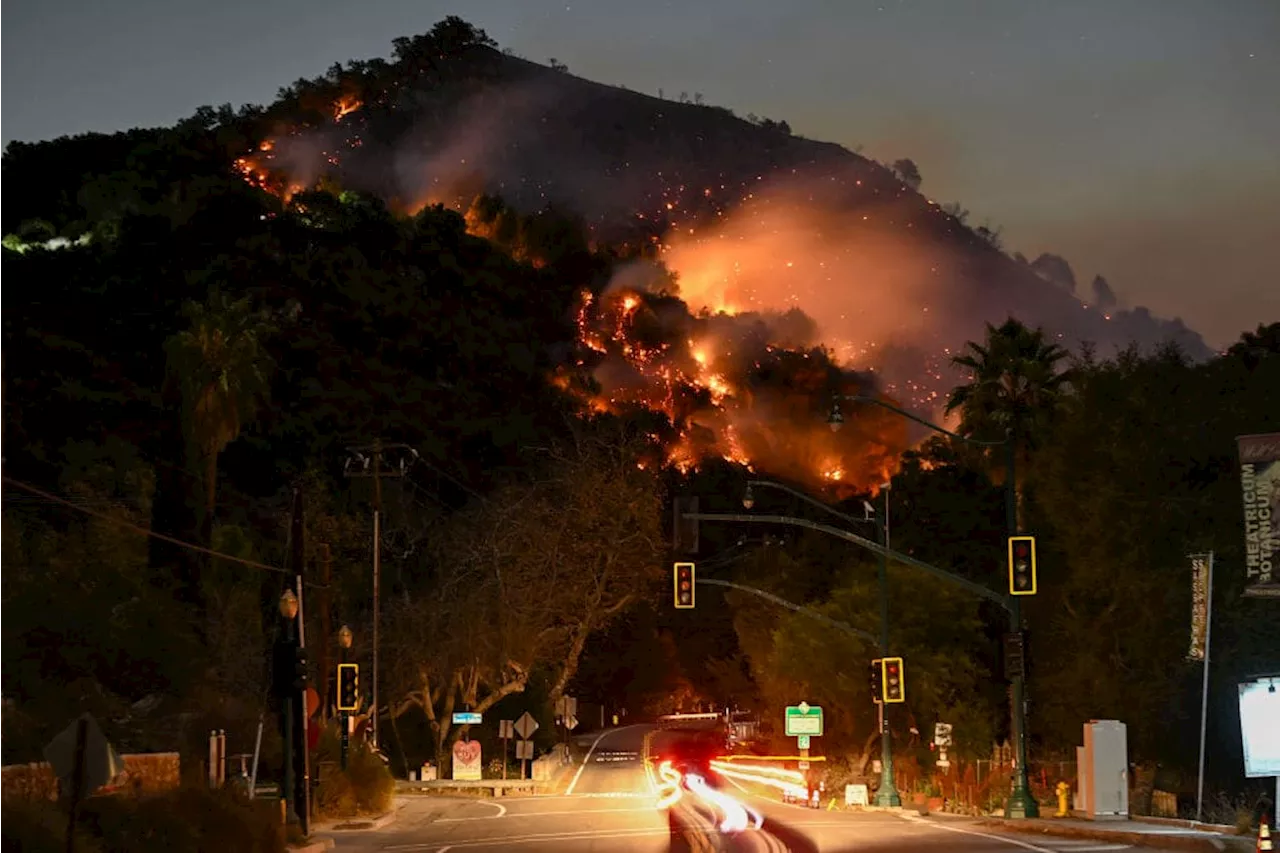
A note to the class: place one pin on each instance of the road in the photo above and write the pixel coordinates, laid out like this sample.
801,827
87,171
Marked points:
611,805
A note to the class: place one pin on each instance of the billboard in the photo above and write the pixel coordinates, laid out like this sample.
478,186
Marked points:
1259,711
1260,491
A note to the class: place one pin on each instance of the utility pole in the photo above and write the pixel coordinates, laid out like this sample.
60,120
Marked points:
367,461
299,558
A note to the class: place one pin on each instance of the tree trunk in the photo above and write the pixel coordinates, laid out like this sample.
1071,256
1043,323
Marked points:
571,660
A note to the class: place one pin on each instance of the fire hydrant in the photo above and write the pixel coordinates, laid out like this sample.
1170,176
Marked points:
1063,791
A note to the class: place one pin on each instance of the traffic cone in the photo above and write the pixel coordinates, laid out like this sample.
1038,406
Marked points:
1264,836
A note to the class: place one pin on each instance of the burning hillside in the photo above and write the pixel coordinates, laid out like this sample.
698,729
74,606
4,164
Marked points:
744,387
761,230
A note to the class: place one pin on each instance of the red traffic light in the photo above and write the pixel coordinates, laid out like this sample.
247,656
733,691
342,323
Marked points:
684,581
1022,565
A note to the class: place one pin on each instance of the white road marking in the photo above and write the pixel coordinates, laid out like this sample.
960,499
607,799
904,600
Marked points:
532,839
587,758
1001,838
1097,848
542,814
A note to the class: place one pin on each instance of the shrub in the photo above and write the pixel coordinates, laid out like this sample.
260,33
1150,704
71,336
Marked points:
367,786
40,827
191,818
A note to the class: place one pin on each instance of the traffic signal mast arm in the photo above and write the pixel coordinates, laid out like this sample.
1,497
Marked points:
798,608
744,518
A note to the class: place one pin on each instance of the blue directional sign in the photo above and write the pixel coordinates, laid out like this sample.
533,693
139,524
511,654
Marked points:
466,718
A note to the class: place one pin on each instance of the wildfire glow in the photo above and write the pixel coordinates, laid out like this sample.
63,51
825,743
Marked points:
720,350
345,105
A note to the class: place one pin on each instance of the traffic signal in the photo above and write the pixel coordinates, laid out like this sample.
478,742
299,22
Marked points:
684,531
1022,565
895,687
684,578
877,682
348,686
299,668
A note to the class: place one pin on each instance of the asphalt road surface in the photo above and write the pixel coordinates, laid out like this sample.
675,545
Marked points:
611,804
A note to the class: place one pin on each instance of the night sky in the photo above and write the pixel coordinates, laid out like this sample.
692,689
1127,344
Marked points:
1137,138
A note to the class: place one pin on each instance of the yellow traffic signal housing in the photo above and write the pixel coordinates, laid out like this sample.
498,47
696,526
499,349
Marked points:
1022,565
893,679
348,687
683,585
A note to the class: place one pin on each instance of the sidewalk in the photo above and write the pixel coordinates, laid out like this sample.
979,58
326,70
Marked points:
1136,832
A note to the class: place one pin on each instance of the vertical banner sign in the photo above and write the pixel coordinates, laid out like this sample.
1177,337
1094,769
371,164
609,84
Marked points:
1199,604
1260,489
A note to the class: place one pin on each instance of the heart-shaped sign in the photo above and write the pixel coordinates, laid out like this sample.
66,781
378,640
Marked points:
466,752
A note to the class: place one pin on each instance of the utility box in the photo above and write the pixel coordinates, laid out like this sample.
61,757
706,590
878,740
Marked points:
1103,769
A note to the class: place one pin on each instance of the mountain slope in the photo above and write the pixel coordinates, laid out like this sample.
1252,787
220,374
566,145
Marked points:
639,169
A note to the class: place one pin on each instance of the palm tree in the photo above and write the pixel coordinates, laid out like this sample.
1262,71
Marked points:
220,365
1016,387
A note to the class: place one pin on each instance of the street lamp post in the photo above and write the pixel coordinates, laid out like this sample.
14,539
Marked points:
887,795
357,465
1021,804
289,610
344,735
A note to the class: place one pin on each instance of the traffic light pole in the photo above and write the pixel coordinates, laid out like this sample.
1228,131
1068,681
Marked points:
887,795
344,735
1021,803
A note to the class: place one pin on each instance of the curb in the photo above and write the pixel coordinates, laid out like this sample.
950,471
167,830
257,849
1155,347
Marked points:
361,824
318,846
1137,839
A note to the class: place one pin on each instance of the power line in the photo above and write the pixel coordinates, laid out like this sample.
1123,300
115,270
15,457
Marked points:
191,546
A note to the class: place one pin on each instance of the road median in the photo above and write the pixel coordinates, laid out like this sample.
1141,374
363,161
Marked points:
1119,832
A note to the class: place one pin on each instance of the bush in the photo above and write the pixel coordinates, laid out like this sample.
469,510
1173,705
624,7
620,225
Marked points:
39,827
367,786
189,819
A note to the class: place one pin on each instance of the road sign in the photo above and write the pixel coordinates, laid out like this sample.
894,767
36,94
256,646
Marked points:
942,735
466,718
526,725
524,750
571,723
506,729
803,719
804,765
567,706
802,742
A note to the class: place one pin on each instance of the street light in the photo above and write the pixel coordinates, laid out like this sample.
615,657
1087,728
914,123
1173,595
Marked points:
289,610
1021,802
344,735
887,795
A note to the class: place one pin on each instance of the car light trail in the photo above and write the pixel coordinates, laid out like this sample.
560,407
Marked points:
669,791
787,781
736,817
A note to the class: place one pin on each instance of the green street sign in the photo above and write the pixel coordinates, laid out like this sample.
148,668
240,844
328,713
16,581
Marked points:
803,719
802,742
